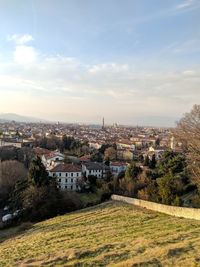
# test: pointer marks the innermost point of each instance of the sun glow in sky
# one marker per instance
(133, 62)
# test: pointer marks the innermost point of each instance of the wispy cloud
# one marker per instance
(174, 10)
(20, 39)
(62, 81)
(108, 67)
(186, 4)
(65, 82)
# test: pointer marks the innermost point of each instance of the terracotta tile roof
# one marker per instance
(63, 167)
(41, 151)
(85, 158)
(118, 164)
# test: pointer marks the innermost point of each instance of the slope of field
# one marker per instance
(110, 234)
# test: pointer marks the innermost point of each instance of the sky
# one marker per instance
(134, 62)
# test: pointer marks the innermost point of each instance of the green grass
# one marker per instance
(90, 198)
(110, 234)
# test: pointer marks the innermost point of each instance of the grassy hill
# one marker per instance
(110, 234)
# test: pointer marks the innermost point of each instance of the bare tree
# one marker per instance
(188, 133)
(11, 171)
(110, 153)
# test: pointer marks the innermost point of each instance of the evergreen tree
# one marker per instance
(152, 163)
(146, 161)
(37, 173)
(132, 172)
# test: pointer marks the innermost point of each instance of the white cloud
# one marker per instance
(188, 5)
(25, 54)
(108, 67)
(67, 84)
(20, 39)
(185, 4)
(189, 72)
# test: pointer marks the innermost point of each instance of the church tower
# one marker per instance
(172, 143)
(103, 124)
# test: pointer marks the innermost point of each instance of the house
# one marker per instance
(38, 151)
(126, 144)
(154, 151)
(85, 158)
(10, 142)
(52, 159)
(94, 145)
(95, 168)
(117, 167)
(67, 176)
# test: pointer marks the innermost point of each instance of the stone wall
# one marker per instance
(184, 212)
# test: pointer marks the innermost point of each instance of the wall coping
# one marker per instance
(184, 212)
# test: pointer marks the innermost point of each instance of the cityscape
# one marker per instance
(99, 133)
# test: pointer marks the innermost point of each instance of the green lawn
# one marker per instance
(110, 234)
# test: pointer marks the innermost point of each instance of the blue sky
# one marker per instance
(133, 62)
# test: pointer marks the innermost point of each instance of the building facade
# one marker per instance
(67, 176)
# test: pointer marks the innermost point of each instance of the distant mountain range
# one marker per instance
(19, 118)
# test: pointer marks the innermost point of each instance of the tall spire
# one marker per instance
(103, 124)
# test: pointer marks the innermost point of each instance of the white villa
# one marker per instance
(67, 176)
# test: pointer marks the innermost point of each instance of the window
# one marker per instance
(72, 174)
(60, 174)
(72, 180)
(66, 187)
(59, 180)
(54, 174)
(66, 180)
(77, 174)
(71, 187)
(66, 174)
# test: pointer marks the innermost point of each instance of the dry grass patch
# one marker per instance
(110, 234)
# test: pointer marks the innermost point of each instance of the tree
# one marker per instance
(16, 196)
(11, 171)
(110, 153)
(37, 173)
(188, 133)
(97, 157)
(92, 180)
(132, 172)
(146, 161)
(152, 191)
(103, 148)
(152, 163)
(171, 162)
(141, 158)
(157, 143)
(169, 189)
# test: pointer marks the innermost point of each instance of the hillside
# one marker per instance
(110, 234)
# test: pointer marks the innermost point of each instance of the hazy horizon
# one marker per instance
(161, 122)
(132, 62)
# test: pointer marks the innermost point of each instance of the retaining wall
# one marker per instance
(184, 212)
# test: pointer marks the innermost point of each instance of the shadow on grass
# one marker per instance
(11, 232)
